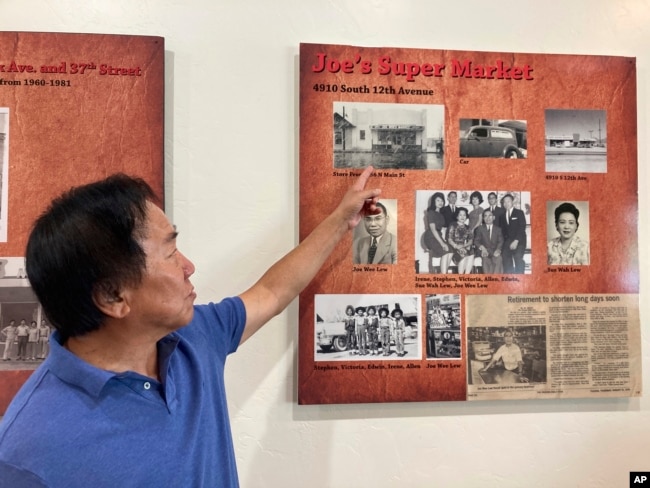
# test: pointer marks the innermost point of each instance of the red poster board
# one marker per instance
(541, 129)
(73, 108)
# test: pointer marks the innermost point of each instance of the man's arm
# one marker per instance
(521, 228)
(291, 274)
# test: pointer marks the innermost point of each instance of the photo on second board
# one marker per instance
(567, 224)
(493, 138)
(388, 135)
(576, 141)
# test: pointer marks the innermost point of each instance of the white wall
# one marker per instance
(232, 63)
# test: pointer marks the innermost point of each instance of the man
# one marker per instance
(380, 246)
(449, 210)
(32, 341)
(133, 387)
(22, 334)
(488, 241)
(494, 207)
(513, 226)
(43, 339)
(509, 354)
(10, 336)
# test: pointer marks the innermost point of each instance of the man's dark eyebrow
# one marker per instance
(172, 235)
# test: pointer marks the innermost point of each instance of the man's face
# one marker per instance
(492, 200)
(452, 198)
(508, 338)
(507, 203)
(488, 217)
(165, 297)
(376, 224)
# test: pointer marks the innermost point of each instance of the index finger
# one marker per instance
(363, 179)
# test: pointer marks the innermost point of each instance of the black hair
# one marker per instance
(432, 200)
(478, 195)
(88, 240)
(566, 207)
(382, 207)
(507, 195)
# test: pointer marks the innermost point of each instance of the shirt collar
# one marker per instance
(75, 371)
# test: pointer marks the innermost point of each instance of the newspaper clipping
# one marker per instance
(538, 346)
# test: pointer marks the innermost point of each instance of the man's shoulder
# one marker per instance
(220, 324)
(30, 427)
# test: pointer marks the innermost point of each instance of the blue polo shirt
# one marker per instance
(74, 425)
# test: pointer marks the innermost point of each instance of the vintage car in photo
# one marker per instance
(332, 335)
(486, 141)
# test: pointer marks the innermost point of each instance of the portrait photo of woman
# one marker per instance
(568, 233)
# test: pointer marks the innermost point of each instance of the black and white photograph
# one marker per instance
(24, 330)
(567, 224)
(506, 355)
(388, 135)
(375, 238)
(493, 138)
(472, 232)
(367, 327)
(576, 141)
(443, 327)
(4, 171)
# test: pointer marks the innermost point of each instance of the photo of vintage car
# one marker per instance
(483, 138)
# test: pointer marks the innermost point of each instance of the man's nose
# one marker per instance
(188, 266)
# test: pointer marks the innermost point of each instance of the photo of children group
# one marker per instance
(367, 327)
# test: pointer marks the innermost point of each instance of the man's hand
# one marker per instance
(359, 202)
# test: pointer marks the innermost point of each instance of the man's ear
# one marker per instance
(111, 301)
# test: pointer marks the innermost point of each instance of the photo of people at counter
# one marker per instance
(506, 355)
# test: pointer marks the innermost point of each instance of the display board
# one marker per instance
(504, 262)
(73, 108)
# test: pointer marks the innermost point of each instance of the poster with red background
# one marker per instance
(73, 108)
(444, 128)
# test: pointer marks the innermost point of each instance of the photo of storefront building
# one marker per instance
(388, 136)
